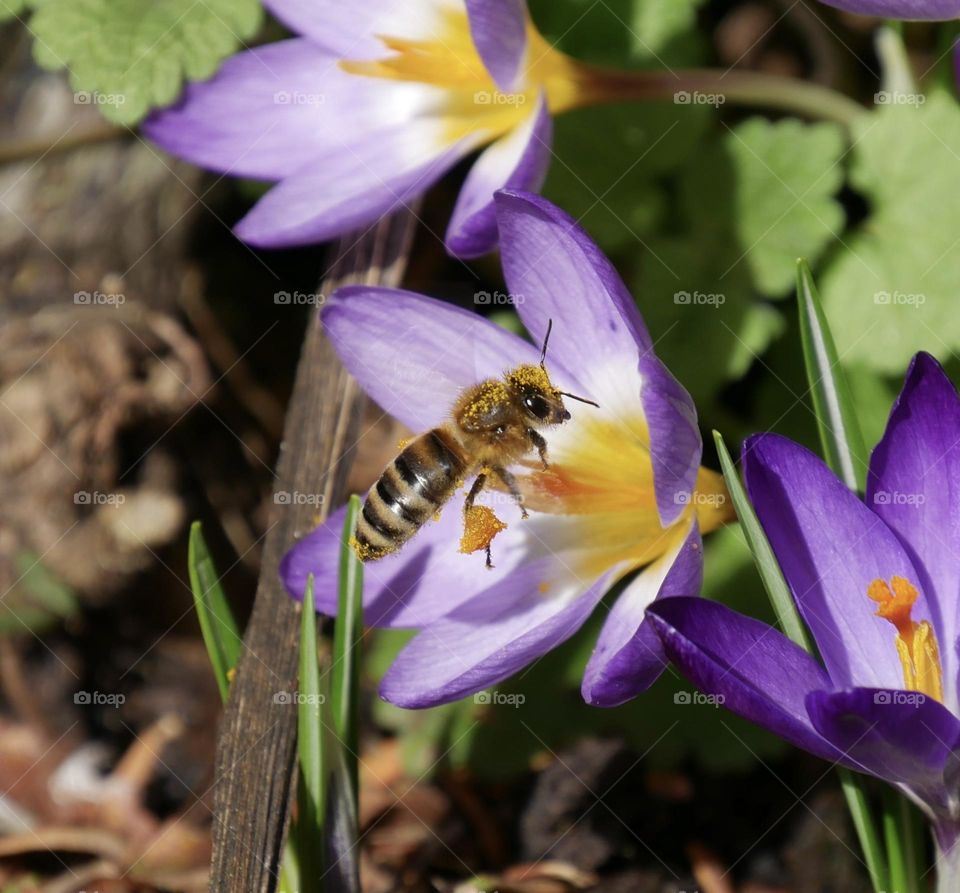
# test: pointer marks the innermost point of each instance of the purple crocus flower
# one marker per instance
(369, 106)
(878, 585)
(623, 490)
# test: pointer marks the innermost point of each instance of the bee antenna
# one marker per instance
(546, 339)
(581, 399)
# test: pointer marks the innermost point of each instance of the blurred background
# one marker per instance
(146, 360)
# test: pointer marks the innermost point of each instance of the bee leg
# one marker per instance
(489, 559)
(478, 485)
(537, 440)
(510, 482)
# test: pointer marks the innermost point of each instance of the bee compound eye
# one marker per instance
(536, 406)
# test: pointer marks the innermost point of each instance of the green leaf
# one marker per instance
(843, 446)
(348, 631)
(748, 201)
(127, 56)
(894, 289)
(654, 33)
(767, 566)
(220, 632)
(854, 790)
(310, 750)
(663, 31)
(771, 187)
(611, 186)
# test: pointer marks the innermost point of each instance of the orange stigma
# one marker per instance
(916, 642)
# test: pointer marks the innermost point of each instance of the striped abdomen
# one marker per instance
(414, 486)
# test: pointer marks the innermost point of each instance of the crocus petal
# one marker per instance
(675, 443)
(492, 636)
(270, 111)
(554, 271)
(352, 30)
(830, 547)
(499, 30)
(902, 737)
(913, 485)
(411, 588)
(629, 655)
(519, 161)
(352, 184)
(757, 670)
(934, 10)
(413, 355)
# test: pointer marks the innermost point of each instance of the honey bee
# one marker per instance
(492, 425)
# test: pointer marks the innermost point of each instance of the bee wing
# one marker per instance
(487, 416)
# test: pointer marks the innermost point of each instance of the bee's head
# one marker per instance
(539, 400)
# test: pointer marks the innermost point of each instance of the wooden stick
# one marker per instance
(257, 746)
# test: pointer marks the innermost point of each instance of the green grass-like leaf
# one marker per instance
(840, 434)
(345, 674)
(310, 749)
(765, 560)
(128, 56)
(342, 829)
(221, 634)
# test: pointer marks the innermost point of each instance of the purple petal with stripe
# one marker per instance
(351, 185)
(499, 30)
(902, 737)
(413, 355)
(414, 587)
(758, 671)
(629, 656)
(518, 160)
(490, 637)
(352, 30)
(831, 547)
(270, 111)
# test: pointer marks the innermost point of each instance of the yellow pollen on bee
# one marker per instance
(363, 551)
(489, 395)
(534, 377)
(480, 526)
(916, 643)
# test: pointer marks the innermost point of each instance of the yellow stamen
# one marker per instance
(916, 642)
(480, 526)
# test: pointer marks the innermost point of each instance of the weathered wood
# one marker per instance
(256, 750)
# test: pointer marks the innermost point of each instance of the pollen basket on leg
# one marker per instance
(916, 643)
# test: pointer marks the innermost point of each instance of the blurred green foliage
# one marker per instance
(131, 55)
(37, 600)
(892, 286)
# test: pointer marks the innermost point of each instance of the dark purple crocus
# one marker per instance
(878, 585)
(371, 104)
